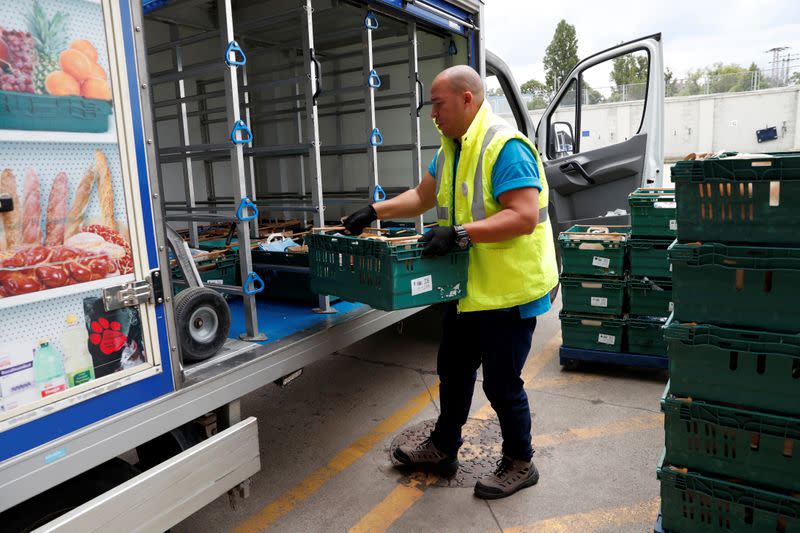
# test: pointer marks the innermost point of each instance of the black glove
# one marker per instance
(438, 241)
(356, 222)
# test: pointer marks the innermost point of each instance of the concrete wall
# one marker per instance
(701, 123)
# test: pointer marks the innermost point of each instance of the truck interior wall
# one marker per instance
(276, 124)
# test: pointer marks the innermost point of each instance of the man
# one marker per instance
(489, 189)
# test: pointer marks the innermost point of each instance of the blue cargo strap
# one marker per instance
(246, 203)
(247, 135)
(234, 48)
(256, 281)
(371, 21)
(375, 138)
(373, 80)
(378, 194)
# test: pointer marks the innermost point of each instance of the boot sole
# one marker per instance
(440, 469)
(483, 494)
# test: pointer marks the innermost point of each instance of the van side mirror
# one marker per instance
(561, 139)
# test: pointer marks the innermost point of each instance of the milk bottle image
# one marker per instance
(78, 364)
(48, 369)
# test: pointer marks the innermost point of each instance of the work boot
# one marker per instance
(510, 476)
(426, 456)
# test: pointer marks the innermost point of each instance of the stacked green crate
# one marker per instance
(593, 261)
(732, 408)
(653, 221)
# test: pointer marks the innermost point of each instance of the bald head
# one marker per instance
(457, 96)
(462, 78)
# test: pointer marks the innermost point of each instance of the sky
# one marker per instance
(695, 33)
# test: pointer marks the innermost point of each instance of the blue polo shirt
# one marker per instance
(515, 168)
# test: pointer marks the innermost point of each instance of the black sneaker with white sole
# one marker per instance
(510, 476)
(426, 456)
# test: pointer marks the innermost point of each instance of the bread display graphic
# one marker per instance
(68, 250)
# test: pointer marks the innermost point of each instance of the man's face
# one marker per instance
(450, 108)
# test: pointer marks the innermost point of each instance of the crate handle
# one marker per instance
(373, 80)
(596, 323)
(590, 246)
(234, 48)
(247, 135)
(258, 284)
(371, 21)
(591, 285)
(246, 203)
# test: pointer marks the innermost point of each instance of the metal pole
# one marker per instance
(416, 98)
(205, 138)
(369, 115)
(314, 159)
(238, 172)
(188, 175)
(250, 167)
(300, 139)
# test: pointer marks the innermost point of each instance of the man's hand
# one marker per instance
(356, 222)
(438, 241)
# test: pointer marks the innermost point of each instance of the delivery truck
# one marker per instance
(156, 156)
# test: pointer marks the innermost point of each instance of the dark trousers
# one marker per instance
(500, 341)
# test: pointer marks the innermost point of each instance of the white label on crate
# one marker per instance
(673, 225)
(597, 301)
(420, 285)
(215, 282)
(602, 338)
(670, 267)
(671, 307)
(665, 205)
(602, 262)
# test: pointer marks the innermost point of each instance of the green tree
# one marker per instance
(590, 95)
(691, 85)
(539, 92)
(533, 87)
(670, 83)
(729, 78)
(795, 79)
(560, 56)
(629, 74)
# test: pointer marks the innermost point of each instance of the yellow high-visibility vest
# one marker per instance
(501, 274)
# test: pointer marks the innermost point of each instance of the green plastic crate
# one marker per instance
(592, 332)
(646, 336)
(600, 295)
(39, 112)
(756, 447)
(742, 286)
(757, 369)
(593, 250)
(221, 270)
(650, 297)
(384, 276)
(648, 257)
(653, 212)
(692, 502)
(281, 284)
(739, 200)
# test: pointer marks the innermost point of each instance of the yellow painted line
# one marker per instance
(617, 427)
(535, 365)
(565, 380)
(643, 513)
(311, 484)
(395, 504)
(404, 496)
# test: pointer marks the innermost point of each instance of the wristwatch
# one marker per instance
(462, 237)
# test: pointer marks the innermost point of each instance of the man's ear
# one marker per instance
(468, 97)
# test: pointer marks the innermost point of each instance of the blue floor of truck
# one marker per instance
(278, 320)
